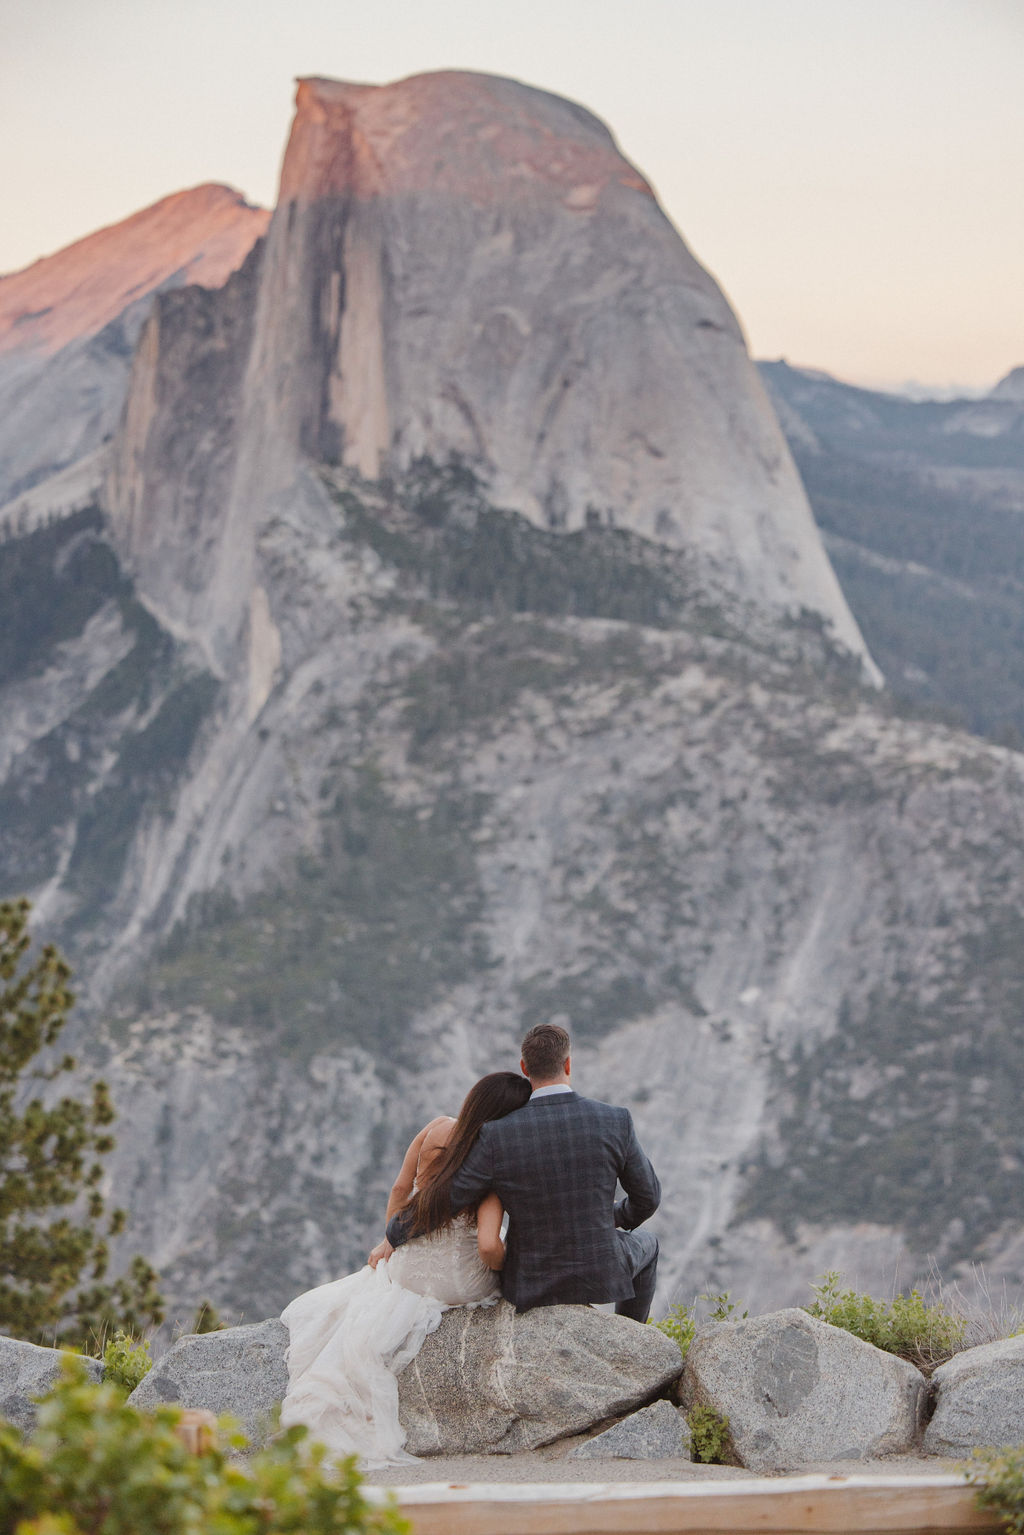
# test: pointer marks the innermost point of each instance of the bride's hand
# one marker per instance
(383, 1250)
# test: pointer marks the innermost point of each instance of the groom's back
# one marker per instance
(554, 1164)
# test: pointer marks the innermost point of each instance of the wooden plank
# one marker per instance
(799, 1505)
(197, 1430)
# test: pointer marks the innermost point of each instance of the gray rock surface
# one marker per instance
(240, 1371)
(27, 1371)
(796, 1390)
(835, 864)
(980, 1399)
(498, 1381)
(654, 1433)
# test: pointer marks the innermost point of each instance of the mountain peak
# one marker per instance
(464, 268)
(200, 235)
(478, 137)
(1011, 387)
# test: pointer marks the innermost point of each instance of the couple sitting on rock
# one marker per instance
(528, 1147)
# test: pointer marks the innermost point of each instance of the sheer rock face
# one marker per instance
(69, 324)
(461, 265)
(174, 459)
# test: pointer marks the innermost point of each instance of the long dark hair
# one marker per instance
(494, 1096)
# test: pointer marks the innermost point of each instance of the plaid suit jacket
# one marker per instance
(554, 1164)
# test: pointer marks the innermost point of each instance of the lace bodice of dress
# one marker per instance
(446, 1265)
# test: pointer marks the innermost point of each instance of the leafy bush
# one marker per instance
(906, 1325)
(722, 1308)
(126, 1360)
(94, 1464)
(680, 1325)
(709, 1431)
(998, 1477)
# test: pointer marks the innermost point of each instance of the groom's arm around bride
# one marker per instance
(554, 1164)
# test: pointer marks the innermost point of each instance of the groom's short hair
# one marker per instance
(545, 1049)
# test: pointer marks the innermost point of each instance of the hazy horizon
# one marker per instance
(846, 172)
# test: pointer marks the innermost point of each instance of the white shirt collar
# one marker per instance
(554, 1087)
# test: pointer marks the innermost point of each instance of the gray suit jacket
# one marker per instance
(554, 1164)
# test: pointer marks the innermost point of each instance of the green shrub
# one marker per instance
(722, 1308)
(998, 1477)
(709, 1431)
(906, 1325)
(126, 1360)
(680, 1325)
(95, 1466)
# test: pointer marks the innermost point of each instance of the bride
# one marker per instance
(351, 1339)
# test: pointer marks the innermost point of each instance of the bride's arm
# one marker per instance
(489, 1217)
(403, 1184)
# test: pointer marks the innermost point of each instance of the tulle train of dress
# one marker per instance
(351, 1339)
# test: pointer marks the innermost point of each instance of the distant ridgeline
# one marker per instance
(922, 507)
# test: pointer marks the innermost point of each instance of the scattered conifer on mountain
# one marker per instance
(54, 1224)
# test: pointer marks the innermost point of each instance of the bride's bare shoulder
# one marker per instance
(438, 1128)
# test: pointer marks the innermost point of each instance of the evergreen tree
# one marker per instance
(54, 1225)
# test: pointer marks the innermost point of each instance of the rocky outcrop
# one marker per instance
(462, 267)
(28, 1372)
(488, 1381)
(496, 1381)
(657, 1432)
(979, 1399)
(796, 1390)
(240, 1371)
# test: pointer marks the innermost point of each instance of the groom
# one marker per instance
(554, 1165)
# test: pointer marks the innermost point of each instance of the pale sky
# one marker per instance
(851, 171)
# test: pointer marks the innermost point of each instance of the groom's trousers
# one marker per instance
(641, 1249)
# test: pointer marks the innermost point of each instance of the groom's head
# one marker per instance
(546, 1055)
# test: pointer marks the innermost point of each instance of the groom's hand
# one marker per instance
(382, 1251)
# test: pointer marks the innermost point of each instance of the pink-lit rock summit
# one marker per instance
(197, 236)
(68, 326)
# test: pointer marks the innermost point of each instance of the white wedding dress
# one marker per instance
(351, 1339)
